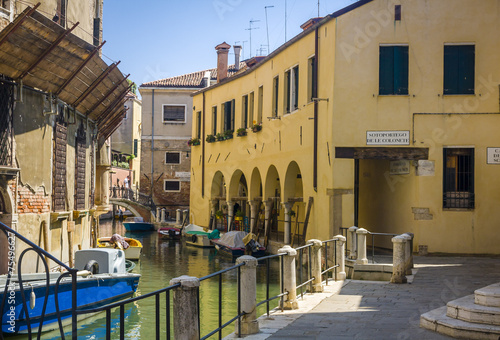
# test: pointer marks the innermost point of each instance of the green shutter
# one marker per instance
(135, 147)
(466, 69)
(401, 70)
(386, 70)
(296, 81)
(232, 115)
(451, 70)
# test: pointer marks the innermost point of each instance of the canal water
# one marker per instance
(162, 260)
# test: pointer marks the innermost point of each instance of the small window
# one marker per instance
(397, 13)
(136, 147)
(311, 78)
(228, 110)
(172, 186)
(214, 120)
(172, 157)
(250, 109)
(198, 124)
(459, 69)
(174, 114)
(458, 178)
(393, 70)
(276, 85)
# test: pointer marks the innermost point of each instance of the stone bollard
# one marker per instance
(317, 284)
(248, 282)
(353, 251)
(398, 260)
(289, 278)
(340, 270)
(162, 215)
(157, 215)
(407, 254)
(361, 235)
(185, 300)
(411, 249)
(178, 217)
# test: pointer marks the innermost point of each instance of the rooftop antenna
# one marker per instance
(250, 29)
(285, 20)
(318, 8)
(267, 28)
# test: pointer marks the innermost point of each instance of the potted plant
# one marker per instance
(228, 134)
(210, 138)
(219, 137)
(219, 214)
(194, 142)
(239, 215)
(257, 127)
(241, 132)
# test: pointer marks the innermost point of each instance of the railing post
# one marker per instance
(185, 300)
(341, 240)
(248, 284)
(411, 265)
(353, 250)
(317, 284)
(178, 217)
(407, 253)
(361, 235)
(398, 260)
(289, 278)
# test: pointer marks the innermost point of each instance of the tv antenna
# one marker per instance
(251, 29)
(267, 28)
(243, 49)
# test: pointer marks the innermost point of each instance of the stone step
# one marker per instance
(465, 309)
(437, 321)
(488, 296)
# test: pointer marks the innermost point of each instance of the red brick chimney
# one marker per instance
(222, 52)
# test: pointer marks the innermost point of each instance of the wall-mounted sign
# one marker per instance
(184, 176)
(493, 155)
(425, 168)
(401, 167)
(387, 137)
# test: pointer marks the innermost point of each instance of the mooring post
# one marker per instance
(407, 253)
(341, 240)
(289, 278)
(353, 251)
(248, 286)
(317, 284)
(361, 235)
(185, 300)
(398, 260)
(411, 250)
(178, 217)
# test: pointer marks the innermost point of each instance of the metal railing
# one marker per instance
(134, 196)
(268, 275)
(373, 241)
(335, 264)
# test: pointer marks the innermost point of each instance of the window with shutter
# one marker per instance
(80, 164)
(59, 163)
(276, 83)
(393, 70)
(172, 157)
(172, 186)
(459, 69)
(174, 114)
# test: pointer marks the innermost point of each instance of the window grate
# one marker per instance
(6, 129)
(458, 178)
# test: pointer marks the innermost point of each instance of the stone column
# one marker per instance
(158, 218)
(178, 217)
(288, 224)
(353, 251)
(162, 215)
(289, 278)
(317, 284)
(230, 214)
(254, 211)
(185, 300)
(407, 254)
(248, 285)
(268, 205)
(398, 260)
(341, 240)
(213, 210)
(412, 236)
(361, 235)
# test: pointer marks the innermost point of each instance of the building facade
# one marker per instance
(59, 103)
(380, 115)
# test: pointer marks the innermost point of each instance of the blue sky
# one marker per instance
(156, 39)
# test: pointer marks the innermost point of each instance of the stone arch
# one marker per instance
(238, 186)
(293, 187)
(218, 185)
(255, 187)
(272, 187)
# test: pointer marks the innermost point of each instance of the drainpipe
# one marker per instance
(152, 141)
(315, 95)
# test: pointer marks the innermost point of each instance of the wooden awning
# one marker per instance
(388, 153)
(44, 55)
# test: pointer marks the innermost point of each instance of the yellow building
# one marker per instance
(381, 115)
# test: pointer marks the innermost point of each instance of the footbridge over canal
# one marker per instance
(139, 204)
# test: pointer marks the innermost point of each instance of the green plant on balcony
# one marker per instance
(228, 134)
(219, 137)
(239, 215)
(219, 214)
(194, 142)
(210, 138)
(257, 127)
(241, 132)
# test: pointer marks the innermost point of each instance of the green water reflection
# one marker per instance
(161, 261)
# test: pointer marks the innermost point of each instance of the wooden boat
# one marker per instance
(169, 233)
(196, 236)
(234, 243)
(133, 252)
(137, 224)
(102, 280)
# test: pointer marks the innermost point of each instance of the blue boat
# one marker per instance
(137, 224)
(102, 280)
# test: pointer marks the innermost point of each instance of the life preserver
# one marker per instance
(194, 238)
(92, 266)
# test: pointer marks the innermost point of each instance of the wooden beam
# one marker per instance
(82, 65)
(113, 89)
(48, 50)
(95, 84)
(113, 105)
(19, 20)
(113, 125)
(387, 153)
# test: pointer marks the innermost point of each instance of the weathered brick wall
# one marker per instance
(32, 201)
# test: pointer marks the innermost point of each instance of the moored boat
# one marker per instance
(169, 233)
(137, 224)
(133, 252)
(234, 243)
(197, 236)
(102, 280)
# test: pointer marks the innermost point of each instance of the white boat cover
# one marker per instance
(192, 227)
(234, 239)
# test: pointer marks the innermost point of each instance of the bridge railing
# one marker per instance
(131, 195)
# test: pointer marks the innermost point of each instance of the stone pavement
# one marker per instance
(379, 310)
